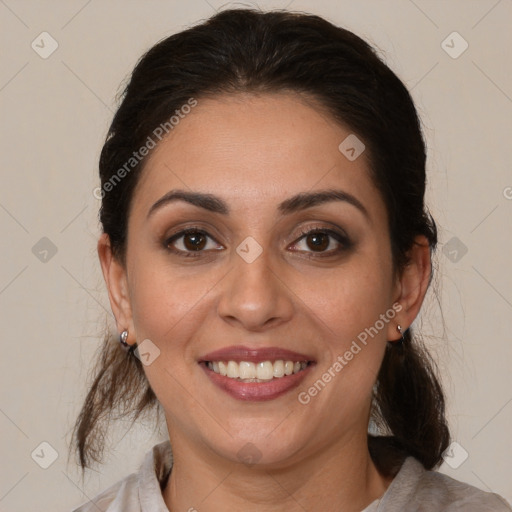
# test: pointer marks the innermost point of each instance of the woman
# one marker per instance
(266, 248)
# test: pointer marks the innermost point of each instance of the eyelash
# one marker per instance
(343, 242)
(181, 234)
(340, 238)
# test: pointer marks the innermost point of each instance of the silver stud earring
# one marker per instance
(122, 339)
(400, 342)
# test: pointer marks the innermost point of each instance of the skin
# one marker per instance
(255, 152)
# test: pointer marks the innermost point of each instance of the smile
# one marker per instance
(263, 371)
(256, 374)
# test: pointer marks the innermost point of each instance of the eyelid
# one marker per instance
(169, 240)
(184, 228)
(339, 236)
(186, 231)
(321, 226)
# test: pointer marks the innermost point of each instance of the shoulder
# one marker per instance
(416, 489)
(138, 492)
(121, 496)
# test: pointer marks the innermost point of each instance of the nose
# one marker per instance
(254, 296)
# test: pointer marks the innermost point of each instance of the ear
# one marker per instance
(115, 277)
(411, 286)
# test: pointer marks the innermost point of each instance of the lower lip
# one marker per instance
(256, 391)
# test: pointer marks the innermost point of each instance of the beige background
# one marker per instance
(54, 116)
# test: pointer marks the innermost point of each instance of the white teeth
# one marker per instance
(233, 370)
(256, 372)
(279, 369)
(265, 370)
(247, 370)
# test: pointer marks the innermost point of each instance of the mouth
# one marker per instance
(256, 374)
(263, 371)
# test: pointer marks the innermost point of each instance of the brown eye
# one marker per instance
(323, 242)
(318, 241)
(194, 241)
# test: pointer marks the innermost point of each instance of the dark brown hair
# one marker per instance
(265, 52)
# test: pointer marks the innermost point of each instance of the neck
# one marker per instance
(341, 477)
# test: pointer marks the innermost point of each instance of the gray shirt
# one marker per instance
(414, 489)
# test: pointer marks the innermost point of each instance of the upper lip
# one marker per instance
(239, 353)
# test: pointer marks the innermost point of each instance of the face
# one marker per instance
(260, 277)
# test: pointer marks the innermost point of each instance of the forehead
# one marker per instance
(256, 150)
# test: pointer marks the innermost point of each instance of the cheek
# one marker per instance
(346, 309)
(167, 308)
(165, 300)
(347, 306)
(350, 298)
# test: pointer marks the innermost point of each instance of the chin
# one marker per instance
(266, 447)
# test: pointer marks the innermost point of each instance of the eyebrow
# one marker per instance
(293, 204)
